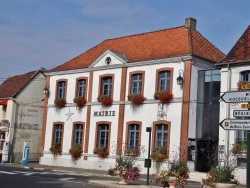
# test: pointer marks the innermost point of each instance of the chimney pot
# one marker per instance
(190, 23)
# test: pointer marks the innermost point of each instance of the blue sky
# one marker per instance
(47, 33)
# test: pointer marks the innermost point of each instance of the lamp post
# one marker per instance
(148, 160)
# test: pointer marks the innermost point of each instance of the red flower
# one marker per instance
(60, 103)
(106, 100)
(165, 96)
(136, 99)
(80, 101)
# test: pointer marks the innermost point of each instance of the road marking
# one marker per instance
(5, 172)
(66, 179)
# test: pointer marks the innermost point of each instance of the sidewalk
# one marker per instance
(106, 180)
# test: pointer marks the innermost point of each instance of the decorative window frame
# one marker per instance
(57, 85)
(73, 132)
(130, 81)
(100, 84)
(53, 132)
(86, 86)
(127, 132)
(158, 71)
(97, 133)
(168, 123)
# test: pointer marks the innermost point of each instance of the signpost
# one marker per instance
(236, 97)
(239, 124)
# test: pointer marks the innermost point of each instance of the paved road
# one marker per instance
(11, 177)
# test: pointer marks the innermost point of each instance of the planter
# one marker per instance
(170, 180)
(225, 185)
(222, 185)
(123, 182)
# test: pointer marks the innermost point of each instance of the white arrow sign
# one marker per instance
(235, 124)
(236, 97)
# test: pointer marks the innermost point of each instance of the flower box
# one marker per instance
(132, 151)
(243, 85)
(56, 149)
(60, 103)
(136, 99)
(76, 151)
(165, 96)
(80, 101)
(159, 154)
(106, 100)
(239, 148)
(102, 152)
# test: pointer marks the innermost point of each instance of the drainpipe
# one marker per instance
(14, 130)
(229, 77)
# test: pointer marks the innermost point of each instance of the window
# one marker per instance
(61, 90)
(81, 88)
(106, 86)
(57, 134)
(164, 80)
(161, 135)
(245, 76)
(78, 132)
(103, 135)
(136, 84)
(133, 136)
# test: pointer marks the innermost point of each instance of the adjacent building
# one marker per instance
(121, 68)
(235, 72)
(21, 115)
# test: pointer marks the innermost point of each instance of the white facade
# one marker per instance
(146, 114)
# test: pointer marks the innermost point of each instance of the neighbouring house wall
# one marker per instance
(228, 138)
(28, 119)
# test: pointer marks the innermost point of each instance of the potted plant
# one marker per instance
(165, 96)
(220, 176)
(126, 169)
(106, 100)
(136, 99)
(56, 149)
(159, 154)
(76, 151)
(102, 152)
(239, 148)
(177, 174)
(242, 84)
(80, 101)
(60, 102)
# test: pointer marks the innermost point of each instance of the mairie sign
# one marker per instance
(235, 124)
(236, 97)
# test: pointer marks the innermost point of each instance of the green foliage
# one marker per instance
(76, 151)
(56, 149)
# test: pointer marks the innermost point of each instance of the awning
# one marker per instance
(4, 102)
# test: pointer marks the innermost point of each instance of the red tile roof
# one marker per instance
(240, 51)
(13, 85)
(148, 46)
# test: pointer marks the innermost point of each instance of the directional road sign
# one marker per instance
(235, 124)
(236, 97)
(241, 113)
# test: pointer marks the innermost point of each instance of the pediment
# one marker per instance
(109, 58)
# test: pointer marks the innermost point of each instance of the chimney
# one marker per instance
(190, 23)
